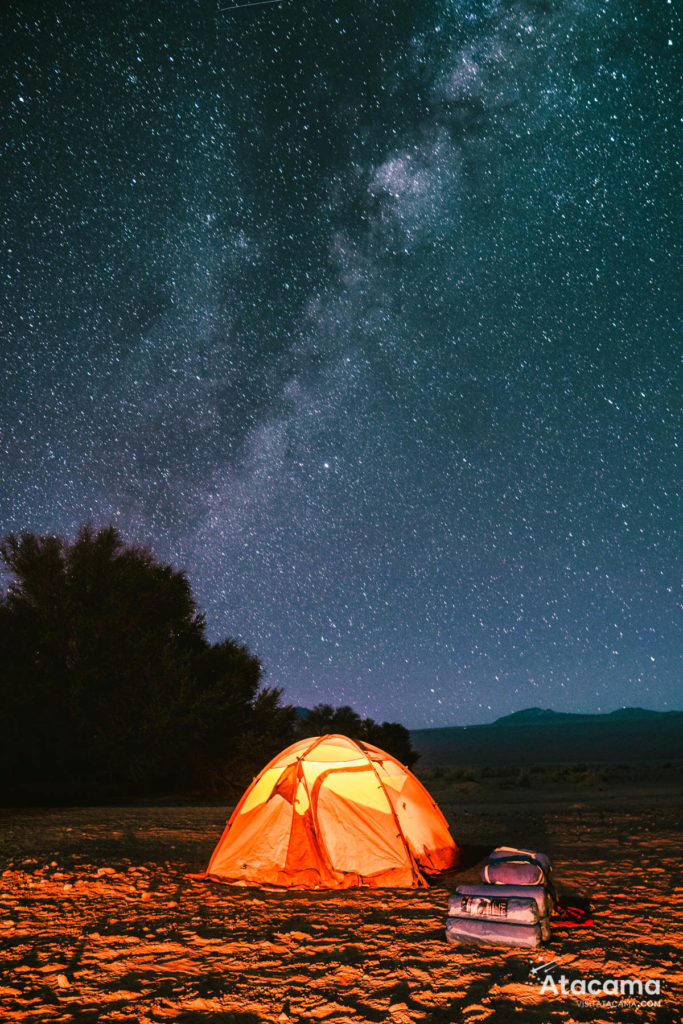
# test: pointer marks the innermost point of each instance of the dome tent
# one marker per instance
(331, 812)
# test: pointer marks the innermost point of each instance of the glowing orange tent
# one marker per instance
(331, 812)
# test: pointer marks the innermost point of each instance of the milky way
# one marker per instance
(365, 316)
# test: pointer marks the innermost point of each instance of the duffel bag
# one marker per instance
(510, 866)
(492, 932)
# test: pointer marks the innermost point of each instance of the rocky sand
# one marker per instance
(100, 920)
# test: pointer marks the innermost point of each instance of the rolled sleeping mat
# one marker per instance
(509, 866)
(496, 892)
(492, 932)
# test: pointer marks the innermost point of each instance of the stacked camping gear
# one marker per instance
(510, 907)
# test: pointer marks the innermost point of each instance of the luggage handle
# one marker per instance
(523, 858)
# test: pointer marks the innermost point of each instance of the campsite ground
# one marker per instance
(99, 921)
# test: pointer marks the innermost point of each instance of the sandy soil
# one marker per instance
(99, 921)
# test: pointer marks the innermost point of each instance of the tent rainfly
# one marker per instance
(330, 812)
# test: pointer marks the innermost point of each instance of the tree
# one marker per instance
(110, 686)
(389, 736)
(323, 718)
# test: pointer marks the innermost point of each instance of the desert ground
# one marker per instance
(101, 921)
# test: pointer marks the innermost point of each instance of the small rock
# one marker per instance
(63, 981)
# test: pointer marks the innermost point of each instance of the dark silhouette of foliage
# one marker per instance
(109, 686)
(389, 736)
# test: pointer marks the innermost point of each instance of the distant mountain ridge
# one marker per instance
(544, 736)
(530, 715)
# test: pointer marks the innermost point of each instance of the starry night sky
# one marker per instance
(364, 314)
